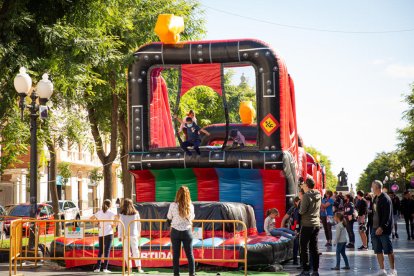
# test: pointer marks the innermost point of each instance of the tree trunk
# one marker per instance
(110, 157)
(107, 176)
(52, 184)
(126, 176)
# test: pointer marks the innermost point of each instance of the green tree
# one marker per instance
(331, 179)
(207, 104)
(406, 136)
(98, 37)
(383, 164)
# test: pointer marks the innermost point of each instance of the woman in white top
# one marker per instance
(106, 234)
(128, 217)
(181, 213)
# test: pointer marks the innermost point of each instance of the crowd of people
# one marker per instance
(376, 213)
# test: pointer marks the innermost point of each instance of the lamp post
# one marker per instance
(403, 171)
(23, 85)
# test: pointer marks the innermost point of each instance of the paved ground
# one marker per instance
(361, 262)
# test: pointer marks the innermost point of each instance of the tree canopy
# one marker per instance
(331, 179)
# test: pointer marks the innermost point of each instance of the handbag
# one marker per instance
(330, 220)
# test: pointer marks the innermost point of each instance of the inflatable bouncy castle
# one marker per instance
(263, 176)
(225, 182)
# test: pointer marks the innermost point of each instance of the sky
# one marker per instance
(350, 72)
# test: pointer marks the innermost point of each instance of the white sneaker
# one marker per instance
(382, 272)
(106, 271)
(140, 271)
(393, 272)
(97, 270)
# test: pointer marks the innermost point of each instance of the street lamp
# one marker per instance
(23, 85)
(403, 171)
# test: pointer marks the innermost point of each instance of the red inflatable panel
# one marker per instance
(161, 127)
(201, 74)
(263, 239)
(144, 186)
(274, 190)
(207, 183)
(160, 241)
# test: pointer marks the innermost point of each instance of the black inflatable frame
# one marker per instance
(268, 155)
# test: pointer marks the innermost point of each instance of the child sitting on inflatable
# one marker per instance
(238, 138)
(271, 230)
(193, 136)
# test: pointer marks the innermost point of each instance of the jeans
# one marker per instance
(105, 244)
(369, 227)
(409, 221)
(350, 230)
(186, 238)
(327, 227)
(295, 249)
(284, 232)
(340, 250)
(309, 243)
(195, 144)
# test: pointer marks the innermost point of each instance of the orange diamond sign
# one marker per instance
(269, 124)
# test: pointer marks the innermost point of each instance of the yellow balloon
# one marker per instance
(169, 27)
(247, 112)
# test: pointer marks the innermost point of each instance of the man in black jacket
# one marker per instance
(382, 227)
(407, 210)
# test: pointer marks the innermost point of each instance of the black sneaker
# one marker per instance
(346, 268)
(350, 245)
(396, 235)
(335, 268)
(393, 236)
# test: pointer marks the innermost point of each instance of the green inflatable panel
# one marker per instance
(187, 178)
(164, 185)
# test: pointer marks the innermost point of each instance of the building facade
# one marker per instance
(79, 187)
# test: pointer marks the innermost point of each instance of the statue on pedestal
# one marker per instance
(342, 181)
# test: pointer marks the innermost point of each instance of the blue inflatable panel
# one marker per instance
(229, 183)
(252, 193)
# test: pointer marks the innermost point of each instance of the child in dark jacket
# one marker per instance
(193, 136)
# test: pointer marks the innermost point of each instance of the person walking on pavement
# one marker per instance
(349, 209)
(362, 208)
(310, 224)
(396, 213)
(407, 210)
(368, 199)
(382, 227)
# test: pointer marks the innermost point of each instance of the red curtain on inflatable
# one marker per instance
(161, 127)
(201, 74)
